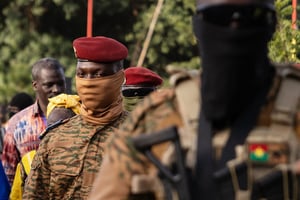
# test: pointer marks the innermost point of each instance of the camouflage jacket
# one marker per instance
(123, 164)
(67, 160)
(159, 110)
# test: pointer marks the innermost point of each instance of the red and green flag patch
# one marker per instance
(258, 152)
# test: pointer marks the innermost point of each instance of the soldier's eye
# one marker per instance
(80, 74)
(97, 75)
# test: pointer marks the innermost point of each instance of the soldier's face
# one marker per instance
(240, 29)
(91, 70)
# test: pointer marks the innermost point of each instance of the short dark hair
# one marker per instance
(119, 65)
(19, 102)
(45, 63)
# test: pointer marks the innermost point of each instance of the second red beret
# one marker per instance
(99, 49)
(142, 76)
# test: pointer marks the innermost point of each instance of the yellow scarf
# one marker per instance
(64, 101)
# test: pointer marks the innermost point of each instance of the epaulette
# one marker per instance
(52, 126)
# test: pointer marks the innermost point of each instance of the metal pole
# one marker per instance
(89, 27)
(150, 32)
(294, 14)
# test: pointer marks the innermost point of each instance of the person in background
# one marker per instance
(18, 102)
(2, 130)
(3, 120)
(5, 187)
(3, 114)
(24, 128)
(60, 108)
(71, 154)
(139, 82)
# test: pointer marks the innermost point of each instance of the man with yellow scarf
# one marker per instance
(70, 155)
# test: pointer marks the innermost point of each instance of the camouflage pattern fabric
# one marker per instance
(68, 159)
(123, 162)
(157, 111)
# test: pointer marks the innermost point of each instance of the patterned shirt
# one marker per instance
(22, 136)
(68, 159)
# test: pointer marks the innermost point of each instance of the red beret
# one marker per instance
(142, 76)
(99, 49)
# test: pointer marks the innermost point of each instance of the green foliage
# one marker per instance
(32, 29)
(285, 46)
(21, 44)
(172, 41)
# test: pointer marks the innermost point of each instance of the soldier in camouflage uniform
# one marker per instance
(71, 154)
(238, 88)
(139, 82)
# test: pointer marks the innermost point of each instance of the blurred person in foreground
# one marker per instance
(70, 155)
(240, 95)
(60, 108)
(139, 82)
(23, 129)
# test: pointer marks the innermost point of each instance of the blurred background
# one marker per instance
(32, 29)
